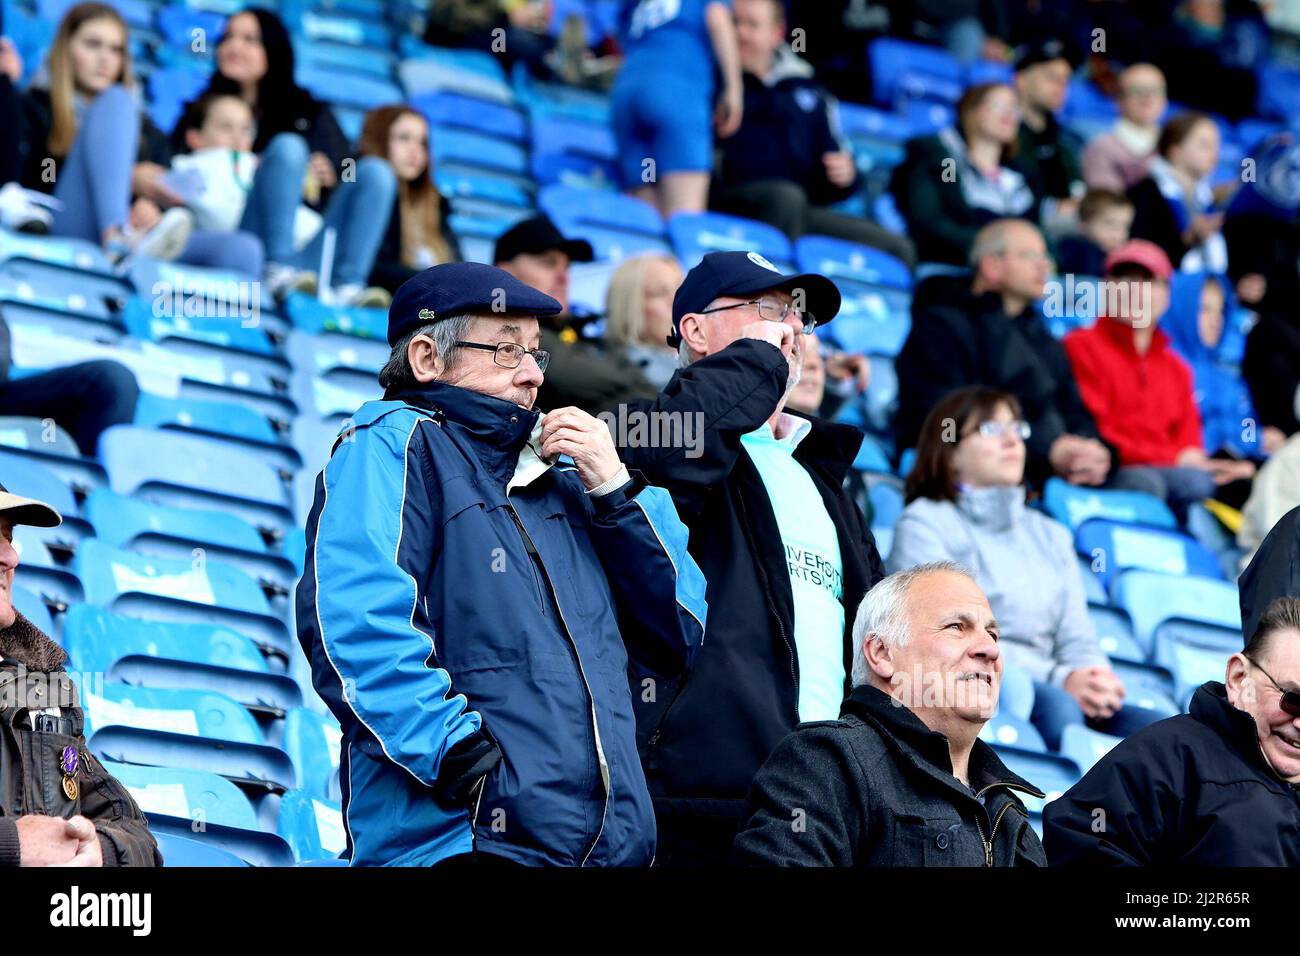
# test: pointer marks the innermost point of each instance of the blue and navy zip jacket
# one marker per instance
(470, 614)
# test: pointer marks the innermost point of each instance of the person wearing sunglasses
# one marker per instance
(471, 602)
(1217, 786)
(966, 503)
(787, 554)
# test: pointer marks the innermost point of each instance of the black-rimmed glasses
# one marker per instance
(773, 310)
(510, 354)
(1290, 698)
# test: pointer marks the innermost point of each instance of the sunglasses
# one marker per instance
(1290, 698)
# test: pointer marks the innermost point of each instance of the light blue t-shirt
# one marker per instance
(812, 554)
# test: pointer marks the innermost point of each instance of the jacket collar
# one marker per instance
(927, 748)
(493, 421)
(24, 642)
(1121, 334)
(1210, 707)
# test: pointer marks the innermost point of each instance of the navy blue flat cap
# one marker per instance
(460, 288)
(748, 273)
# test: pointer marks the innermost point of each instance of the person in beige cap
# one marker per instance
(59, 806)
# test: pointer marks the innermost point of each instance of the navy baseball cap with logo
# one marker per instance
(460, 288)
(739, 274)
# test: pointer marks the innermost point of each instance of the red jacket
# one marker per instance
(1143, 404)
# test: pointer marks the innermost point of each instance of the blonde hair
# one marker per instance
(625, 300)
(63, 80)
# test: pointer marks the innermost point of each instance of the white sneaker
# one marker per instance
(165, 241)
(355, 296)
(279, 280)
(26, 210)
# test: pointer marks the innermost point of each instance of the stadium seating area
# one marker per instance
(173, 573)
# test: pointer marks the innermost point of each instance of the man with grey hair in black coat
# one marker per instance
(902, 778)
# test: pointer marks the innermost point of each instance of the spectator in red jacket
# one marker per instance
(1138, 389)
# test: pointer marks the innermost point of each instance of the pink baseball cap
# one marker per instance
(1142, 253)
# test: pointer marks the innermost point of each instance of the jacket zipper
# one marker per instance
(532, 554)
(988, 843)
(582, 671)
(767, 594)
(663, 719)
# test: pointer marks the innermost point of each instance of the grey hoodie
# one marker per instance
(1026, 565)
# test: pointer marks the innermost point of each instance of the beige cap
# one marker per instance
(21, 510)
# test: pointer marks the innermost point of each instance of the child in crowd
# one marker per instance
(1105, 218)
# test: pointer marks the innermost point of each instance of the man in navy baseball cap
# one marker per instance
(786, 552)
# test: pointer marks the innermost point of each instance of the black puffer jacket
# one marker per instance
(704, 737)
(32, 677)
(875, 788)
(1193, 790)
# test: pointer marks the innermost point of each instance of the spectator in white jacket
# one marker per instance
(966, 503)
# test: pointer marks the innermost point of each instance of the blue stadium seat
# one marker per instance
(96, 639)
(374, 61)
(449, 110)
(165, 589)
(554, 136)
(886, 503)
(188, 470)
(1115, 631)
(313, 740)
(1050, 773)
(882, 396)
(474, 73)
(573, 169)
(451, 145)
(81, 302)
(1119, 547)
(182, 851)
(219, 419)
(1194, 651)
(1072, 505)
(871, 458)
(334, 84)
(44, 566)
(1093, 588)
(1016, 697)
(1147, 686)
(1085, 746)
(484, 187)
(253, 847)
(78, 254)
(31, 479)
(171, 87)
(195, 795)
(902, 70)
(1008, 730)
(350, 30)
(867, 323)
(30, 606)
(41, 434)
(989, 71)
(695, 233)
(1151, 599)
(194, 713)
(312, 827)
(841, 259)
(214, 331)
(583, 207)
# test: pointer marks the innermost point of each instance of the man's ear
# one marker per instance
(425, 364)
(880, 657)
(693, 334)
(1240, 688)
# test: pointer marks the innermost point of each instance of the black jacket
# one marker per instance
(1191, 790)
(1271, 367)
(959, 339)
(389, 270)
(875, 788)
(1154, 220)
(704, 737)
(789, 123)
(32, 675)
(1273, 572)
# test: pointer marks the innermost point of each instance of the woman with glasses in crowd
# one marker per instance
(966, 503)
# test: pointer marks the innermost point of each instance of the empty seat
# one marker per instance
(903, 70)
(1115, 548)
(336, 83)
(1147, 686)
(173, 468)
(42, 433)
(694, 234)
(30, 606)
(225, 844)
(1115, 631)
(182, 851)
(1151, 599)
(451, 145)
(78, 254)
(313, 316)
(188, 794)
(1194, 651)
(1009, 730)
(842, 259)
(581, 207)
(96, 639)
(867, 323)
(25, 476)
(239, 334)
(556, 136)
(75, 300)
(40, 569)
(313, 741)
(312, 827)
(886, 503)
(456, 110)
(1085, 746)
(1072, 505)
(1016, 696)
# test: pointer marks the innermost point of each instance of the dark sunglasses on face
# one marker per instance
(1290, 698)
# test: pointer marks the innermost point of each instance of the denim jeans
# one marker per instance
(94, 182)
(1055, 709)
(358, 212)
(1178, 487)
(275, 195)
(84, 399)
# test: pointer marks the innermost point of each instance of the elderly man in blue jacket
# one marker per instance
(470, 602)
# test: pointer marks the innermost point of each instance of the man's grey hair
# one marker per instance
(994, 239)
(396, 375)
(883, 612)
